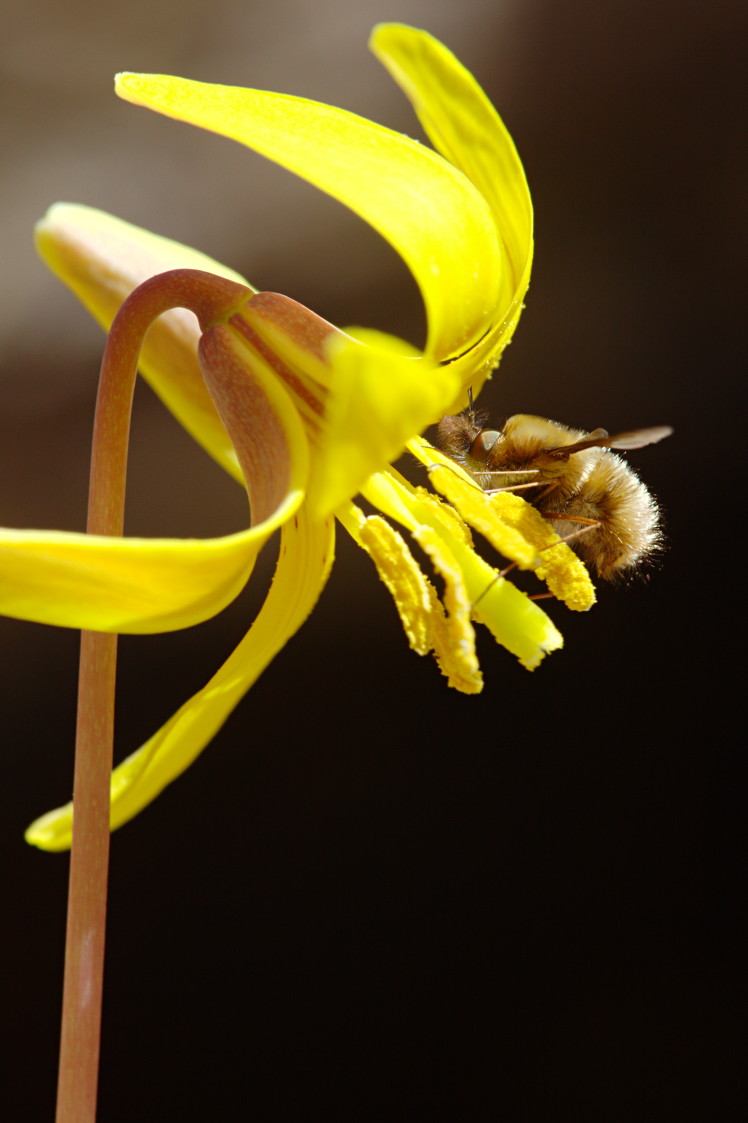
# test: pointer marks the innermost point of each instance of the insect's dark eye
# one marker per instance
(483, 444)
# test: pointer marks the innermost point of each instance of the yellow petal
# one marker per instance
(361, 396)
(433, 216)
(112, 584)
(135, 585)
(102, 259)
(463, 125)
(304, 563)
(381, 393)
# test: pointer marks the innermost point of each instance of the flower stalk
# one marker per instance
(212, 299)
(87, 889)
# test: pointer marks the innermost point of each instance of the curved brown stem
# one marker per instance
(212, 299)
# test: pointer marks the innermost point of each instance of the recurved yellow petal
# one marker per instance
(102, 260)
(134, 585)
(306, 554)
(120, 584)
(463, 125)
(429, 211)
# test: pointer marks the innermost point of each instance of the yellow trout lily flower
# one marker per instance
(306, 416)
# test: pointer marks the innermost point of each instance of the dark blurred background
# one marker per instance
(373, 896)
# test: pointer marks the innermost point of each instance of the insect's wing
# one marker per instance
(638, 438)
(599, 438)
(596, 437)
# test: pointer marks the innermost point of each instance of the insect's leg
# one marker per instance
(589, 524)
(509, 472)
(510, 487)
(501, 573)
(572, 519)
(438, 464)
